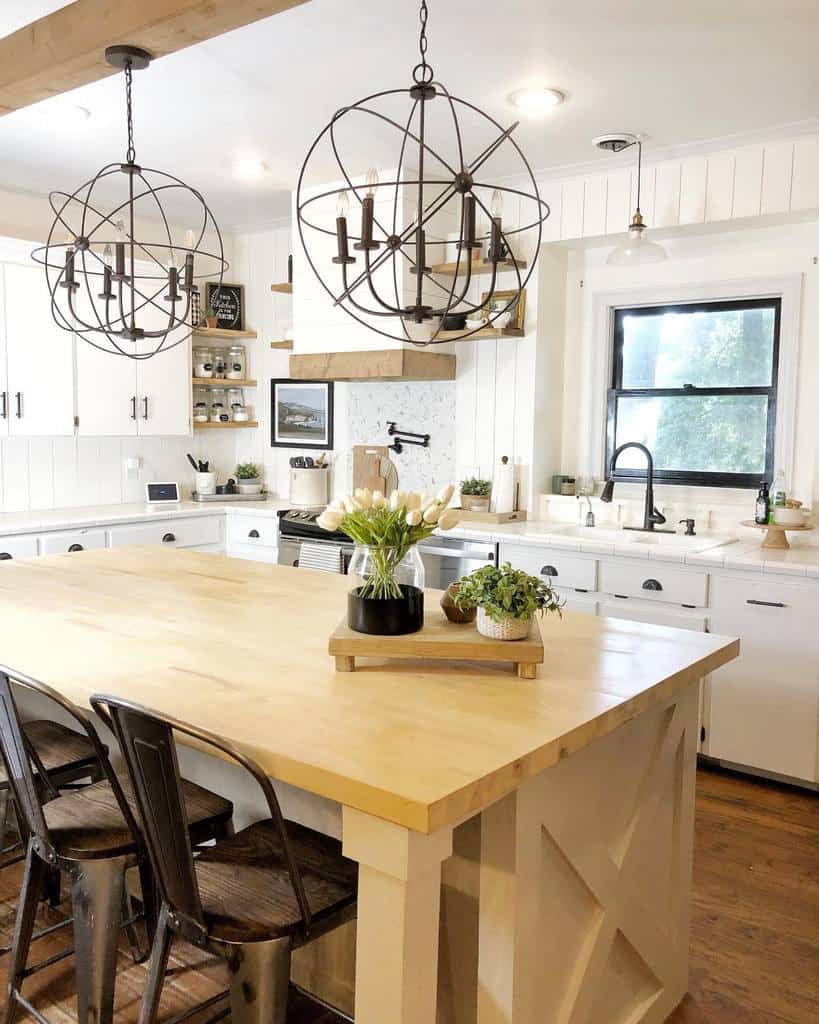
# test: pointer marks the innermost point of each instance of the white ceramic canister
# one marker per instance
(206, 483)
(308, 487)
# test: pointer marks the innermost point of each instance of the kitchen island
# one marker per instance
(524, 845)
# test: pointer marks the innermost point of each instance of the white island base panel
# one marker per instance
(566, 901)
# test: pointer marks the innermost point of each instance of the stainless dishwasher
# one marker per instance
(447, 559)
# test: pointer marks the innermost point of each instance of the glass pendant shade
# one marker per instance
(636, 249)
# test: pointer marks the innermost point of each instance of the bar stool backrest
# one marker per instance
(149, 750)
(16, 757)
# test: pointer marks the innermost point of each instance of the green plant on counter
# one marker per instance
(506, 593)
(248, 471)
(478, 488)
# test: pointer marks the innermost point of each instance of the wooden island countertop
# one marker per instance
(240, 648)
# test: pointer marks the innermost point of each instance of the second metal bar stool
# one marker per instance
(91, 835)
(250, 899)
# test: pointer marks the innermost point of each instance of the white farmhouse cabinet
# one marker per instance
(106, 393)
(37, 360)
(765, 705)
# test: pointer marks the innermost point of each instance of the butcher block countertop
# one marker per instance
(240, 648)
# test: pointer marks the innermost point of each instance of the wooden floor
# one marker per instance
(755, 942)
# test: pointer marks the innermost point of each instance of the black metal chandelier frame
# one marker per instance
(461, 181)
(127, 289)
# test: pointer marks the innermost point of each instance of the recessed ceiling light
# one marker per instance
(536, 102)
(249, 169)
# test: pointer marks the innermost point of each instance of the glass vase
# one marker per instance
(388, 591)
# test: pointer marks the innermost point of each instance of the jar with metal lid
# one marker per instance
(236, 362)
(202, 362)
(236, 405)
(220, 362)
(218, 406)
(201, 406)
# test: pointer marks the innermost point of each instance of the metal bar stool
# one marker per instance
(250, 899)
(92, 835)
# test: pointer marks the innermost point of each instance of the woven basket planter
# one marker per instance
(508, 629)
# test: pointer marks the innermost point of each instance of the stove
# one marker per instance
(299, 524)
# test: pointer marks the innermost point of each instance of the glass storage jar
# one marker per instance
(201, 407)
(236, 405)
(236, 362)
(202, 362)
(220, 363)
(218, 406)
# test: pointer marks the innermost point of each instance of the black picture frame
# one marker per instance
(301, 434)
(230, 305)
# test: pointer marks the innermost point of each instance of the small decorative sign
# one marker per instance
(228, 304)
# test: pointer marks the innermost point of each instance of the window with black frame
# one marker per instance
(696, 384)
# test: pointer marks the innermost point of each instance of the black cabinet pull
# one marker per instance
(4, 556)
(133, 407)
(76, 547)
(652, 585)
(145, 407)
(169, 538)
(622, 597)
(5, 397)
(581, 590)
(254, 534)
(767, 604)
(18, 397)
(548, 570)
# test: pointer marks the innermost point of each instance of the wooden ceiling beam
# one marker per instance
(66, 49)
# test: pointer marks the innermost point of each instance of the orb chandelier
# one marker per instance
(389, 281)
(118, 275)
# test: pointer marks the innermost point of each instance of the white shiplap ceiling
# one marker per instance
(680, 71)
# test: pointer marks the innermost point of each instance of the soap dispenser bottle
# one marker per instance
(763, 505)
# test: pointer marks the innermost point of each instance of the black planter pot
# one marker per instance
(390, 616)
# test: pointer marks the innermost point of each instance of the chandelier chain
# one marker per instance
(130, 155)
(422, 73)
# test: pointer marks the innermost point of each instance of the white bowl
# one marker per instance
(249, 488)
(790, 516)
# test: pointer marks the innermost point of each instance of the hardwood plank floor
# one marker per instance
(755, 928)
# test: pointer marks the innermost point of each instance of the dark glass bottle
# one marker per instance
(763, 505)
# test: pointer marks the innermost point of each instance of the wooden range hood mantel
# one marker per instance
(393, 364)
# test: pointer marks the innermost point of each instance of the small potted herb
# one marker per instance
(210, 318)
(475, 494)
(249, 478)
(507, 600)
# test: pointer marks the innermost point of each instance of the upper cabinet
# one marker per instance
(37, 360)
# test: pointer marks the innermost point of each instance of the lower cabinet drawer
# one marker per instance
(654, 581)
(643, 611)
(75, 540)
(559, 568)
(17, 547)
(179, 533)
(256, 531)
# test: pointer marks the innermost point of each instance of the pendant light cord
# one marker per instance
(130, 156)
(639, 170)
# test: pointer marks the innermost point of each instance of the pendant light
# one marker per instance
(380, 262)
(117, 276)
(636, 249)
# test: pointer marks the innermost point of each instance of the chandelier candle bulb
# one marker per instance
(367, 217)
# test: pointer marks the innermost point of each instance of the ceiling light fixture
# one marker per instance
(440, 188)
(109, 285)
(536, 103)
(636, 248)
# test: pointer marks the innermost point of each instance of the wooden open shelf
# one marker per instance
(484, 332)
(285, 288)
(286, 345)
(382, 364)
(226, 426)
(218, 332)
(222, 382)
(478, 267)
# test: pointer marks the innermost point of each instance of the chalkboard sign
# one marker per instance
(228, 304)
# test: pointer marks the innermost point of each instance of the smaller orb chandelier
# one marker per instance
(441, 183)
(117, 276)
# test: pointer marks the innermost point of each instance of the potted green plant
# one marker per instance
(388, 598)
(248, 478)
(475, 494)
(507, 599)
(210, 318)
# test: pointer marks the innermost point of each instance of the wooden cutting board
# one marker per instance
(367, 467)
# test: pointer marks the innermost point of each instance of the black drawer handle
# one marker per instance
(652, 585)
(76, 547)
(767, 604)
(169, 538)
(4, 556)
(549, 570)
(254, 534)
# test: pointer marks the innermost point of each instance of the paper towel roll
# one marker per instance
(503, 487)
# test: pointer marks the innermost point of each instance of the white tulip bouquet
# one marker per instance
(388, 527)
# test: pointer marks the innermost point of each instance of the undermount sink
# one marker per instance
(617, 535)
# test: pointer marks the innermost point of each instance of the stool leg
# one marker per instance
(4, 817)
(23, 927)
(96, 896)
(259, 982)
(156, 972)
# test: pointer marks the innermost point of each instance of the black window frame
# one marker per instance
(617, 391)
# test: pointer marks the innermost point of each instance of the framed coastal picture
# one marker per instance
(301, 413)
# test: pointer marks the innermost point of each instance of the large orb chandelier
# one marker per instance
(117, 275)
(394, 290)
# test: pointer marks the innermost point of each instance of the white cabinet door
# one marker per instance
(106, 393)
(5, 408)
(765, 704)
(40, 358)
(164, 382)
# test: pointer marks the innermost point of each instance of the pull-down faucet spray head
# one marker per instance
(608, 491)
